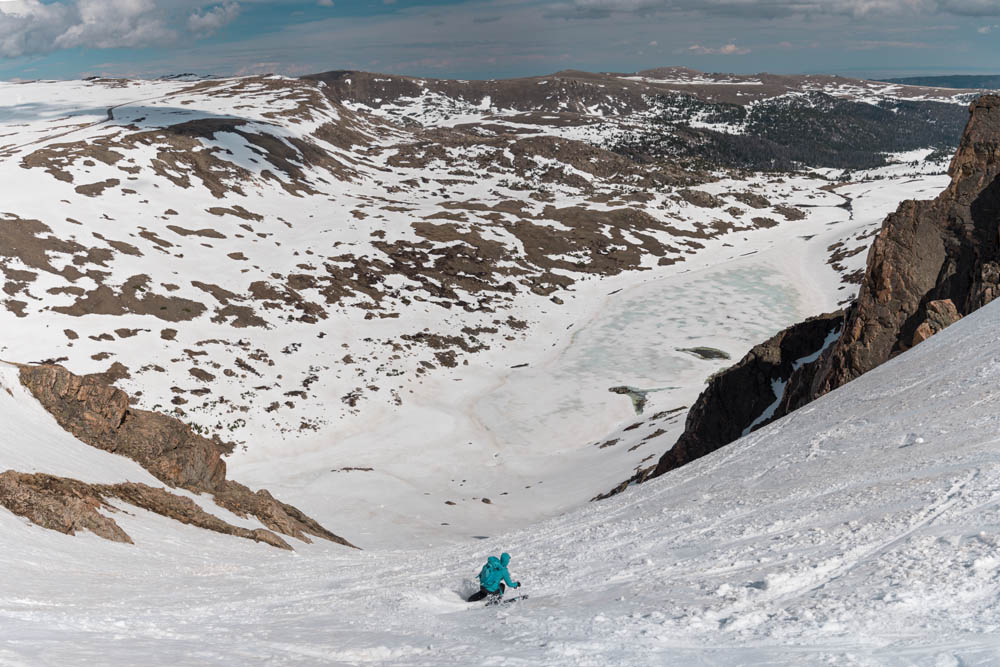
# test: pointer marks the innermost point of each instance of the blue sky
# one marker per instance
(496, 38)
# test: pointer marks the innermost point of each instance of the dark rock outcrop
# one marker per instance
(56, 503)
(100, 416)
(940, 314)
(69, 505)
(184, 510)
(932, 263)
(739, 398)
(271, 512)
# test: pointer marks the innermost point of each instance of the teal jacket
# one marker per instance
(494, 572)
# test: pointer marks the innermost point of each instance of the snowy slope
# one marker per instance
(861, 530)
(412, 331)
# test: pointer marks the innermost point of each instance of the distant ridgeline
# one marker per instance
(962, 81)
(793, 132)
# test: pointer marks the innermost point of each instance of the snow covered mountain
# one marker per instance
(438, 317)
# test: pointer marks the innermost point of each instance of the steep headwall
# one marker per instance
(932, 263)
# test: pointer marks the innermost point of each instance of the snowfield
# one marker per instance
(860, 530)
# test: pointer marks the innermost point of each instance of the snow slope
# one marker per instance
(860, 530)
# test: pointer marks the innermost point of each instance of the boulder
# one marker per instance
(940, 314)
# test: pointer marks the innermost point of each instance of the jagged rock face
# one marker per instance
(928, 254)
(273, 513)
(737, 398)
(56, 503)
(184, 510)
(940, 314)
(932, 263)
(100, 416)
(69, 505)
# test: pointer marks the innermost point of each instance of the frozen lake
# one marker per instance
(634, 340)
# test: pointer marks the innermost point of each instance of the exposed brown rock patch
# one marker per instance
(69, 506)
(135, 297)
(56, 503)
(204, 233)
(101, 417)
(96, 189)
(940, 314)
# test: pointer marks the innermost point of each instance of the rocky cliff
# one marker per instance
(69, 506)
(932, 263)
(746, 396)
(100, 415)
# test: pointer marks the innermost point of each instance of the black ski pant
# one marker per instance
(491, 597)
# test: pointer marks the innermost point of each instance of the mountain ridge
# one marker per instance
(961, 81)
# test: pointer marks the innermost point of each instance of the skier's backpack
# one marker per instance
(487, 575)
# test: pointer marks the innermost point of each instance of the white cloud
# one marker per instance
(30, 26)
(987, 29)
(210, 21)
(725, 50)
(324, 3)
(115, 23)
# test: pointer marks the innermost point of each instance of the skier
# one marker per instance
(492, 578)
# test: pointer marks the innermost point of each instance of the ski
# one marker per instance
(506, 601)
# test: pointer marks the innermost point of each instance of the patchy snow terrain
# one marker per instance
(401, 316)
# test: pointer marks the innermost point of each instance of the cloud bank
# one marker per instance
(29, 27)
(725, 50)
(497, 38)
(210, 21)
